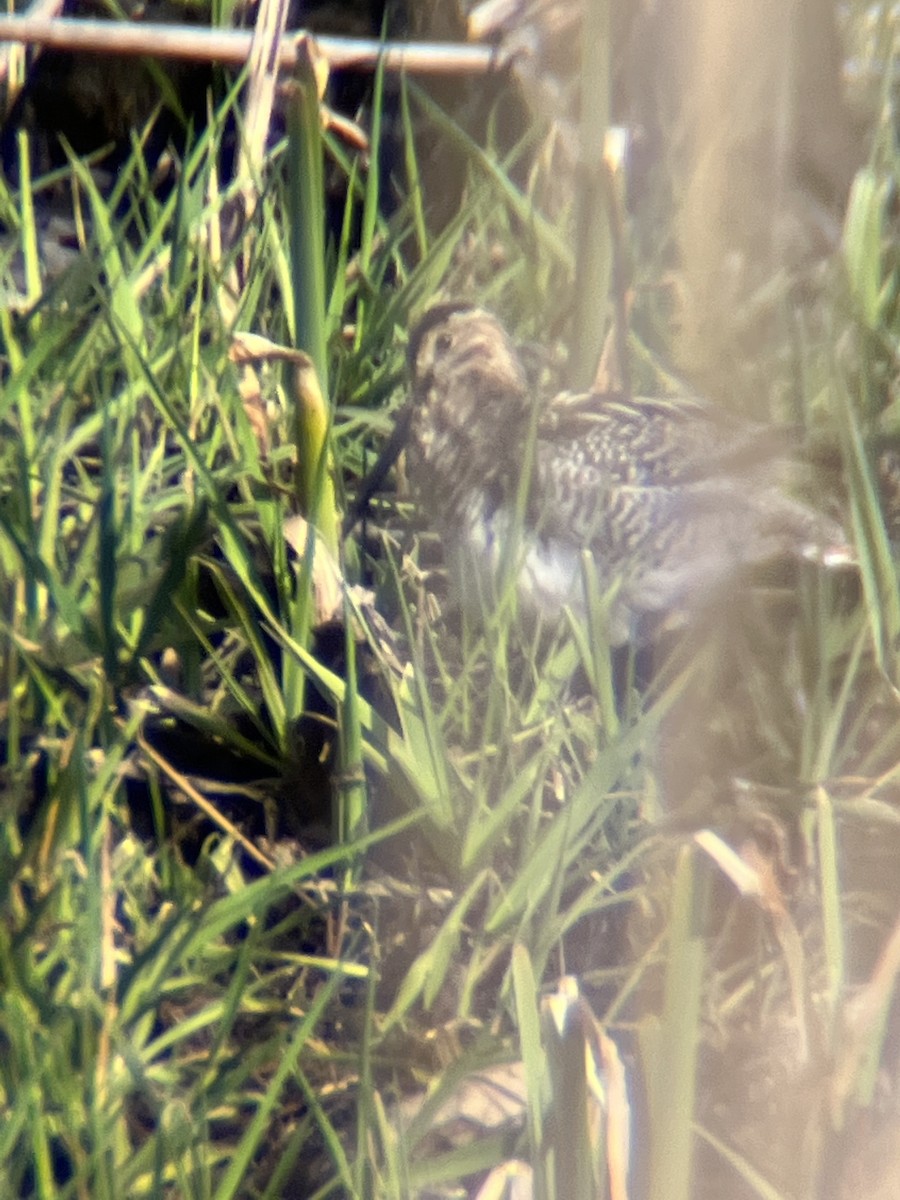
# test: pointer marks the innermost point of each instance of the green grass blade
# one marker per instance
(673, 1084)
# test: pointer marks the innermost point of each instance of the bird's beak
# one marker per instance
(390, 452)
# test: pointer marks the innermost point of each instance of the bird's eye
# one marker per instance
(443, 342)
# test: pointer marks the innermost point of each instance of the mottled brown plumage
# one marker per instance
(670, 500)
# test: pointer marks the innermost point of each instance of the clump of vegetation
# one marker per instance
(277, 862)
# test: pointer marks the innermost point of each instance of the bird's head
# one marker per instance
(469, 388)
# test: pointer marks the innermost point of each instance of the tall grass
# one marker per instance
(200, 994)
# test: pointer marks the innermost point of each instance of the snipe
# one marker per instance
(672, 502)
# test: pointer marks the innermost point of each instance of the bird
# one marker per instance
(654, 504)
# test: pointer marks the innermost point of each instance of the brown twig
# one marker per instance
(232, 46)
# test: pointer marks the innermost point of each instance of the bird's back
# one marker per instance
(671, 500)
